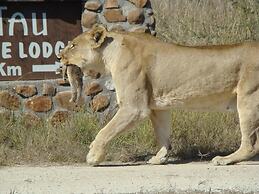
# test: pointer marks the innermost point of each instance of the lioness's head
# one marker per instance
(84, 51)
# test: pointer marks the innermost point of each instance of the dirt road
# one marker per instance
(174, 178)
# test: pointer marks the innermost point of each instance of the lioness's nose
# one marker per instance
(58, 58)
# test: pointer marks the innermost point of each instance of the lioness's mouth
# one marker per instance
(61, 59)
(64, 61)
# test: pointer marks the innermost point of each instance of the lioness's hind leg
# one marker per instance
(248, 110)
(161, 121)
(249, 143)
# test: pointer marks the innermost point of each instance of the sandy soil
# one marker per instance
(174, 178)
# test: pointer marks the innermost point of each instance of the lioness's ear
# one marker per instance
(98, 34)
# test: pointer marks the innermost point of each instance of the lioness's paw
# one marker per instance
(157, 161)
(221, 161)
(95, 157)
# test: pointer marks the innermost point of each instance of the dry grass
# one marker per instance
(203, 22)
(20, 143)
(192, 134)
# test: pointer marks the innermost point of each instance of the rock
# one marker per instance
(31, 119)
(85, 29)
(109, 85)
(151, 21)
(9, 101)
(62, 82)
(136, 16)
(111, 4)
(139, 3)
(139, 29)
(149, 12)
(93, 74)
(116, 28)
(62, 99)
(39, 104)
(48, 90)
(93, 5)
(89, 18)
(93, 89)
(114, 15)
(26, 91)
(5, 114)
(100, 103)
(153, 33)
(59, 116)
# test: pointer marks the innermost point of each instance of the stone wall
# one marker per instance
(49, 99)
(125, 15)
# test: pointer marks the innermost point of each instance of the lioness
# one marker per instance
(151, 77)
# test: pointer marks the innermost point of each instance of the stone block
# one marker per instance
(153, 33)
(114, 15)
(5, 114)
(111, 4)
(151, 21)
(116, 28)
(48, 89)
(109, 85)
(93, 5)
(139, 29)
(26, 91)
(9, 101)
(31, 119)
(39, 104)
(149, 11)
(62, 99)
(62, 82)
(100, 103)
(59, 116)
(139, 3)
(93, 74)
(92, 89)
(136, 16)
(89, 18)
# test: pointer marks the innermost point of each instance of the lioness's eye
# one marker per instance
(72, 46)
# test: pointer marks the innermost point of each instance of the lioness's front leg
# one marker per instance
(124, 119)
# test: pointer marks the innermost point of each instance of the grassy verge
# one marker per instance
(23, 143)
(192, 134)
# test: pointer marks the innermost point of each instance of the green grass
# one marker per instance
(192, 133)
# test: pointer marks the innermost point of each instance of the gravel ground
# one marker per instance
(196, 177)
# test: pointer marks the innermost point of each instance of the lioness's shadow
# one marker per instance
(175, 161)
(120, 164)
(140, 162)
(253, 161)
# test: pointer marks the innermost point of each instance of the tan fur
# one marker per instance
(75, 77)
(151, 77)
